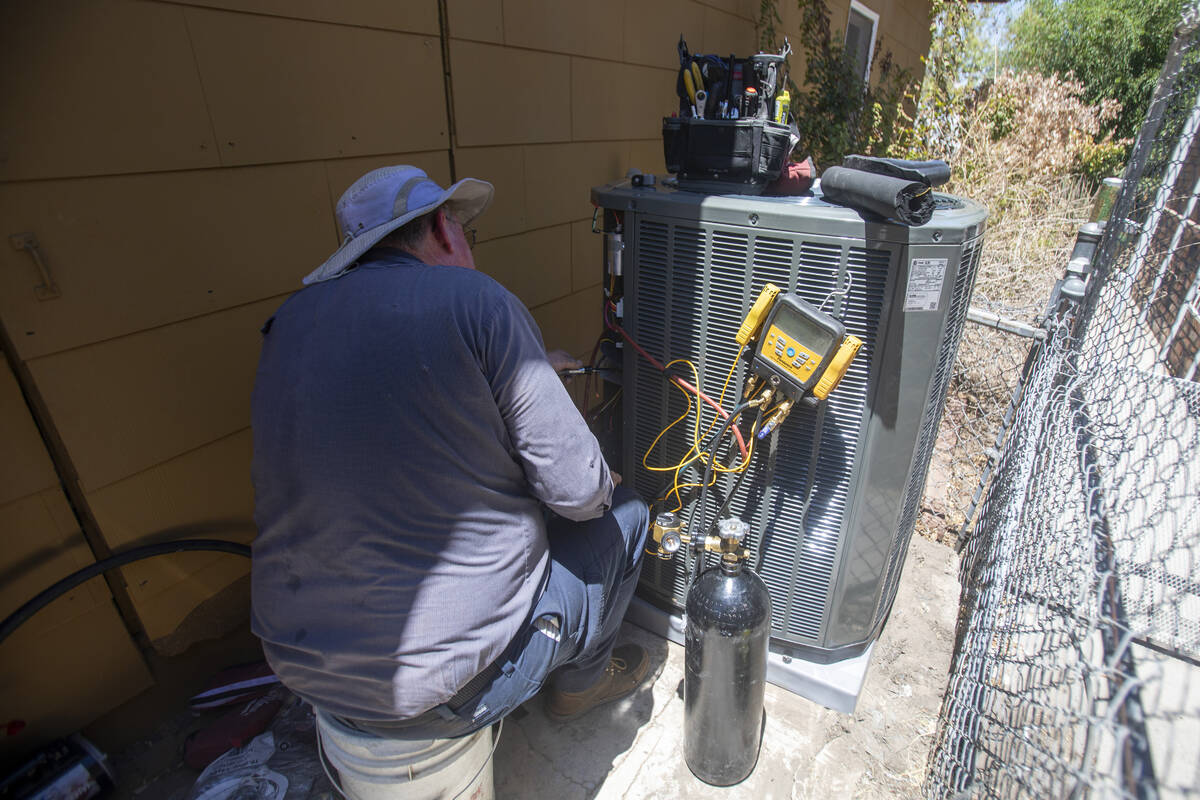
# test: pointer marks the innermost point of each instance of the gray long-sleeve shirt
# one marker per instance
(407, 430)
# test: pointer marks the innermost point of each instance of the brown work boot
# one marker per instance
(627, 668)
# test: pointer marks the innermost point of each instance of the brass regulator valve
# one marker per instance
(668, 535)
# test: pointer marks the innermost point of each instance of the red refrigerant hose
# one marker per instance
(680, 382)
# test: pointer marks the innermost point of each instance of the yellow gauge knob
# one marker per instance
(837, 367)
(758, 313)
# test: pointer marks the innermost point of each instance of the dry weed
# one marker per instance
(1023, 143)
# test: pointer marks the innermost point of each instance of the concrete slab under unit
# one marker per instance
(835, 686)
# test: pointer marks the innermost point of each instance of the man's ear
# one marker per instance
(441, 230)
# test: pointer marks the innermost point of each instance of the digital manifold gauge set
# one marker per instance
(796, 353)
(807, 350)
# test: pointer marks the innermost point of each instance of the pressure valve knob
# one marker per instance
(733, 529)
(731, 532)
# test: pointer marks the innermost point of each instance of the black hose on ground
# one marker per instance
(58, 589)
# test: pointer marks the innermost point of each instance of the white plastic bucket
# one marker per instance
(372, 768)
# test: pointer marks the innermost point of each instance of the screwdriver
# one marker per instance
(566, 373)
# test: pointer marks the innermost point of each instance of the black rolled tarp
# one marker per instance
(910, 202)
(930, 173)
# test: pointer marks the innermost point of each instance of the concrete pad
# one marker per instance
(634, 748)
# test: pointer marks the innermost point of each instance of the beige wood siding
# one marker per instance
(552, 98)
(73, 660)
(903, 31)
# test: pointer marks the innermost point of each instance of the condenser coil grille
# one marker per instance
(831, 498)
(706, 280)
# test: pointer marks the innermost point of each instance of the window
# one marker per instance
(860, 37)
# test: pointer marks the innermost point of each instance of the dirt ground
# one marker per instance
(634, 748)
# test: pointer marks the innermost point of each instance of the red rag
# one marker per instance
(795, 178)
(234, 729)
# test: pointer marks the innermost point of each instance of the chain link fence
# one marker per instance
(978, 408)
(1076, 670)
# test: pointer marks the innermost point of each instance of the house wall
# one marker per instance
(904, 27)
(903, 31)
(74, 659)
(1168, 285)
(178, 163)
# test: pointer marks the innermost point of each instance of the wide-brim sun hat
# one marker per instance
(385, 199)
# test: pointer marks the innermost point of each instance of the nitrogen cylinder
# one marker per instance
(727, 634)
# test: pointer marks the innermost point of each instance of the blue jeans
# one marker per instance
(594, 568)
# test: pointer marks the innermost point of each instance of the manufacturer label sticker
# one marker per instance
(925, 278)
